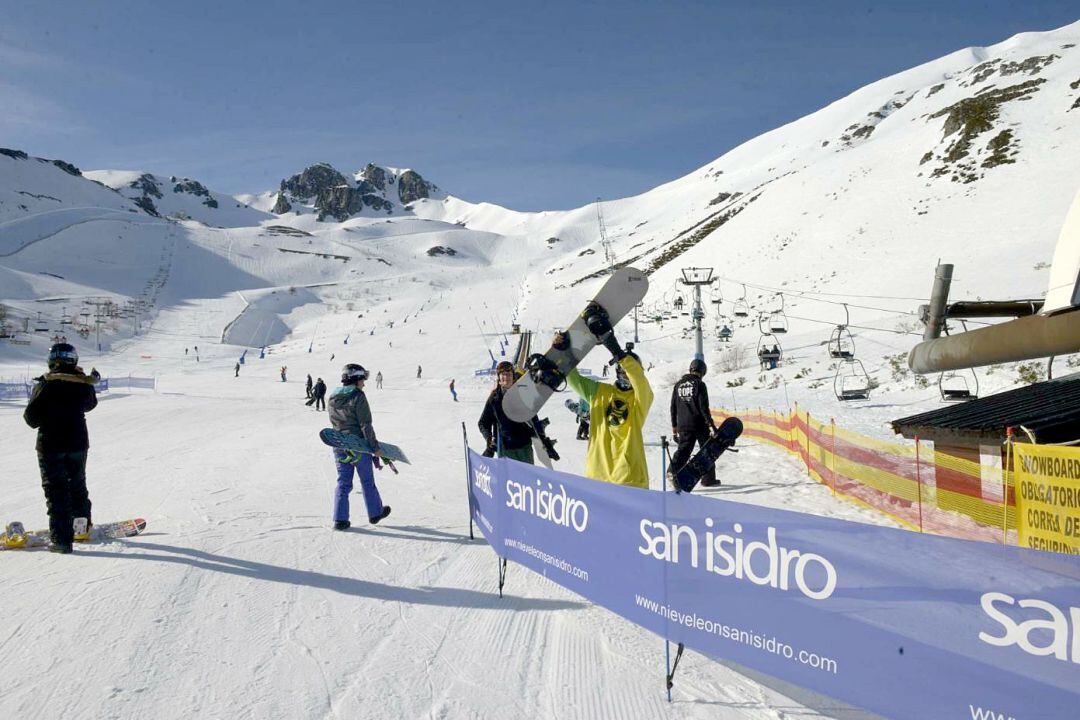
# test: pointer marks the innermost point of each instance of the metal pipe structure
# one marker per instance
(1026, 338)
(935, 317)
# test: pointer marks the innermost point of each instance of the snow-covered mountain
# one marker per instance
(179, 198)
(850, 205)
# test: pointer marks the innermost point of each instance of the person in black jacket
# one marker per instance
(691, 421)
(57, 408)
(318, 394)
(509, 438)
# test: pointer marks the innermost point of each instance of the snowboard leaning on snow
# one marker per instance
(544, 374)
(348, 441)
(686, 478)
(12, 539)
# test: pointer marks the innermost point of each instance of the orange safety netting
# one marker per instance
(954, 491)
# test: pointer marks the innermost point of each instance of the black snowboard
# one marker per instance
(696, 467)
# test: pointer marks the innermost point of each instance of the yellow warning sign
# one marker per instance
(1048, 497)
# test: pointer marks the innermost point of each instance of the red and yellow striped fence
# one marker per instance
(945, 491)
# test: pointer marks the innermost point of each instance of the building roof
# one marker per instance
(1050, 410)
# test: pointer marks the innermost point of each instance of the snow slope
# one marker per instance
(240, 602)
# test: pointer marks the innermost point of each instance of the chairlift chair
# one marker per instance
(768, 354)
(851, 381)
(741, 307)
(778, 322)
(954, 387)
(724, 333)
(841, 342)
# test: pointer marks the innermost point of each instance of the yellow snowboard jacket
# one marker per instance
(617, 417)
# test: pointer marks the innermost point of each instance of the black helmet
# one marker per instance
(353, 372)
(62, 355)
(697, 366)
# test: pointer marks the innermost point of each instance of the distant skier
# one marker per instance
(453, 392)
(378, 380)
(318, 392)
(350, 412)
(307, 386)
(236, 370)
(185, 352)
(580, 408)
(283, 369)
(57, 408)
(691, 419)
(508, 438)
(419, 370)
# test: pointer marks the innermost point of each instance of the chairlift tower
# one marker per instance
(609, 255)
(696, 278)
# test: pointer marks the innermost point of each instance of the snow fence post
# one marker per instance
(663, 485)
(468, 478)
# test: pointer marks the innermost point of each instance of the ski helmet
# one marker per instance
(698, 367)
(353, 372)
(62, 355)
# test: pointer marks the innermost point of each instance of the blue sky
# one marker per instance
(541, 105)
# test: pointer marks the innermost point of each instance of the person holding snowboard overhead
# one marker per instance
(691, 420)
(508, 438)
(616, 412)
(350, 413)
(57, 409)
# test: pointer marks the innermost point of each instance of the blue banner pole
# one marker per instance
(667, 643)
(468, 478)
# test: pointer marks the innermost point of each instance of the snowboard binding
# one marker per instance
(546, 372)
(15, 535)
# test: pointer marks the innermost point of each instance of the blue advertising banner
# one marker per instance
(903, 624)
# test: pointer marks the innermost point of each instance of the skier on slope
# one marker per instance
(57, 408)
(691, 420)
(236, 370)
(616, 412)
(318, 394)
(350, 412)
(378, 380)
(308, 386)
(509, 438)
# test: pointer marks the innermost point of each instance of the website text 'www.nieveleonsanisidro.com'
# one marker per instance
(745, 637)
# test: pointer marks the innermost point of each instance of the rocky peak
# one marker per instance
(413, 187)
(313, 180)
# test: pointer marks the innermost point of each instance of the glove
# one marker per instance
(489, 451)
(95, 375)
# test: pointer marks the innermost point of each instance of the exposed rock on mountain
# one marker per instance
(413, 187)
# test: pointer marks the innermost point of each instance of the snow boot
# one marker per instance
(385, 512)
(341, 524)
(61, 548)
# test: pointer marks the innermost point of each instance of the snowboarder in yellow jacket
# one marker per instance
(616, 412)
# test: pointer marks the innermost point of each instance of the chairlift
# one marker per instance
(778, 322)
(41, 325)
(741, 307)
(715, 296)
(851, 381)
(724, 333)
(770, 357)
(841, 342)
(954, 387)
